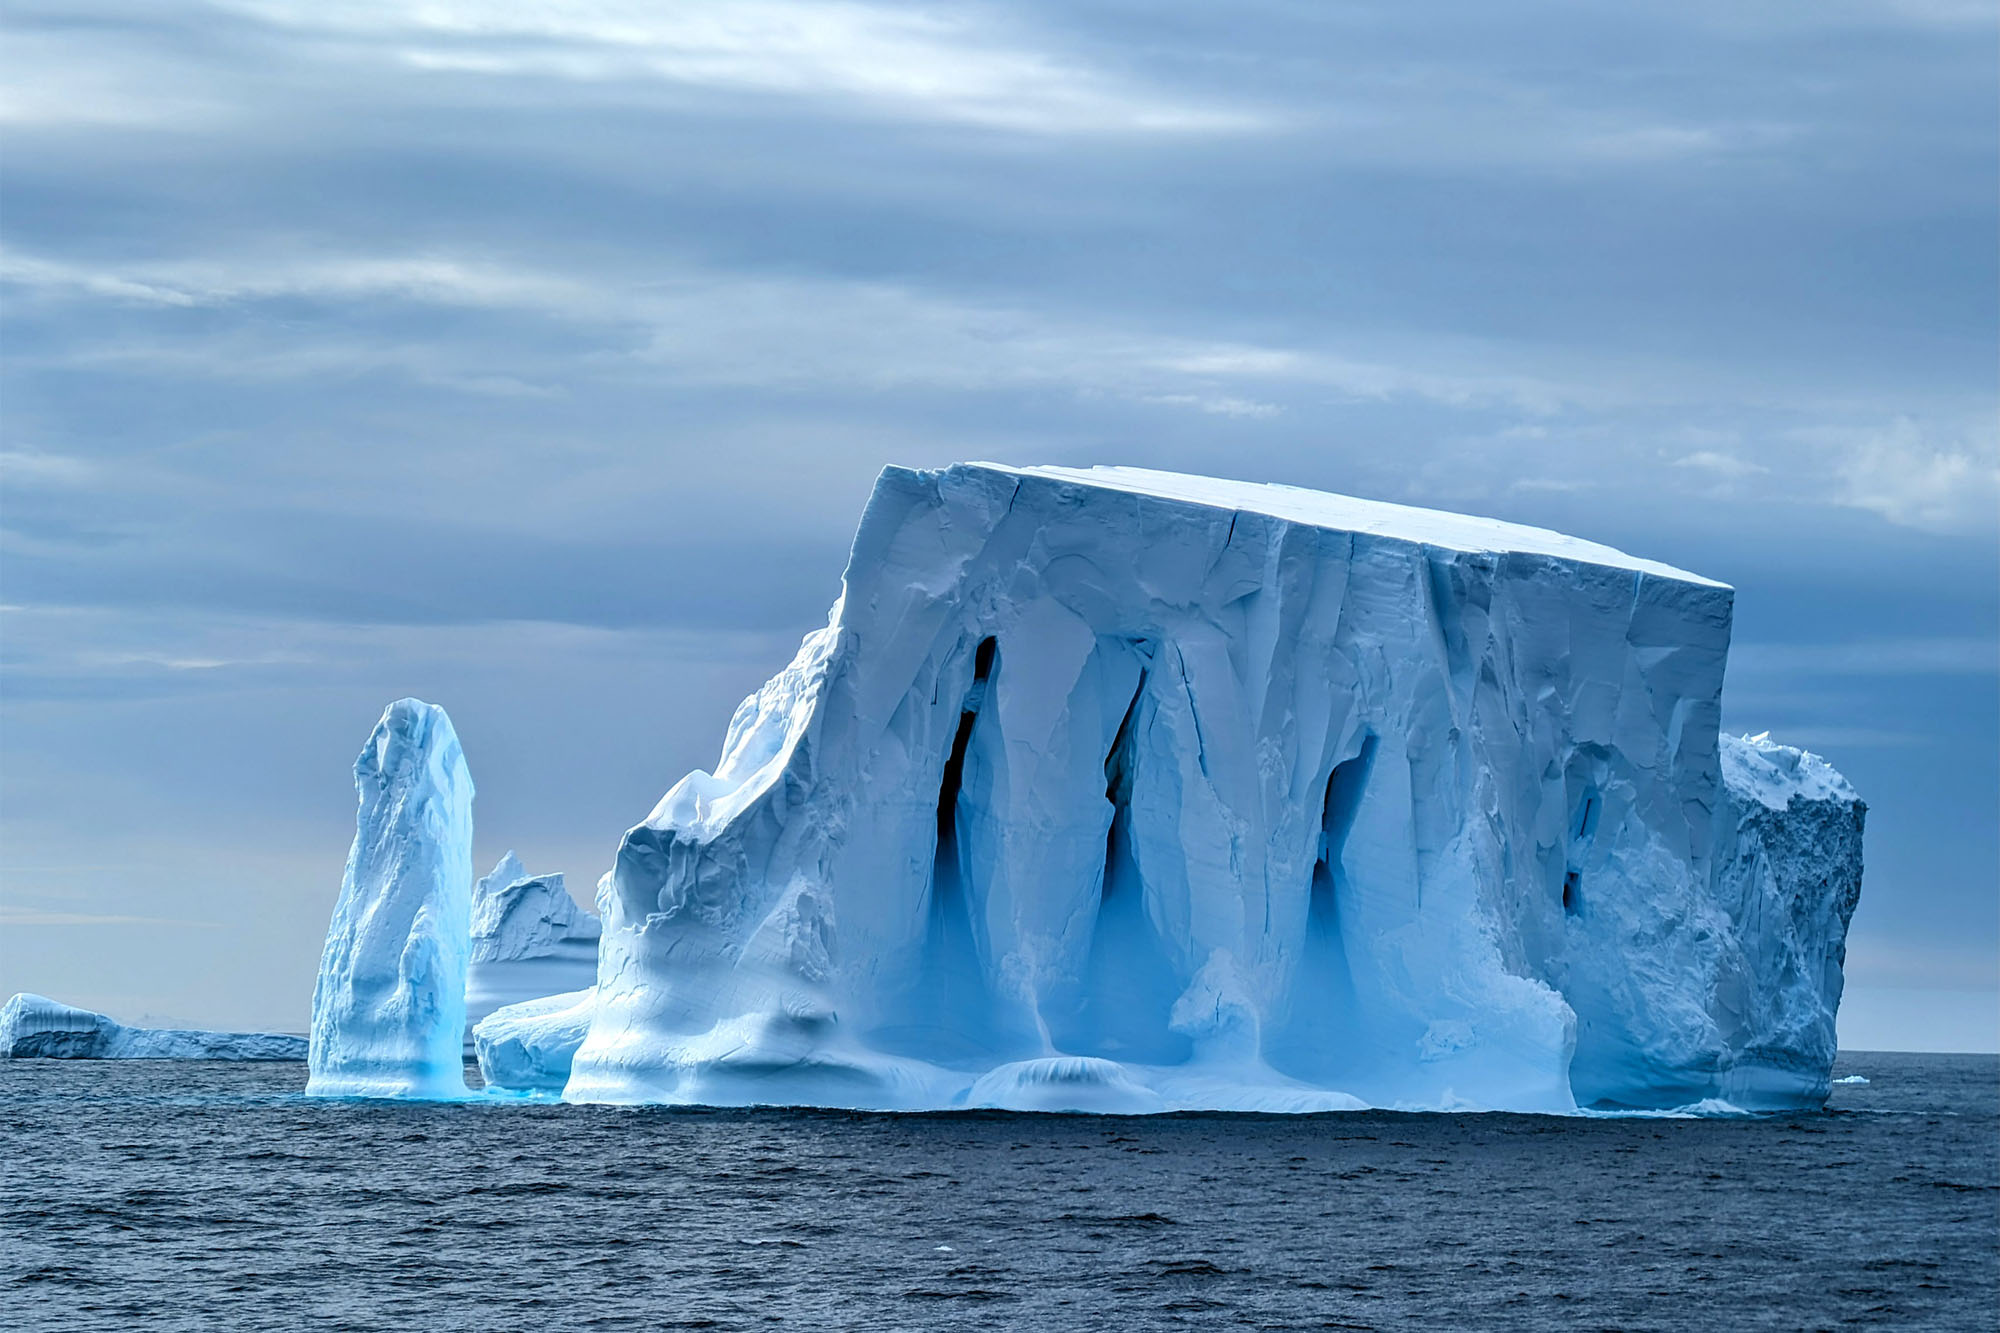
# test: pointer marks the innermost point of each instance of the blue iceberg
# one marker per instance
(389, 1007)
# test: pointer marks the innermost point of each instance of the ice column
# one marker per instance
(389, 1006)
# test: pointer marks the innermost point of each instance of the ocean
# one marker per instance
(159, 1195)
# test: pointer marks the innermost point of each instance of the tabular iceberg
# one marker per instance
(389, 1006)
(36, 1027)
(530, 939)
(1121, 790)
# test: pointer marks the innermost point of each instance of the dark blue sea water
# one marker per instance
(207, 1196)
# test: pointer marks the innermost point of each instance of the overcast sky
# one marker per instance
(537, 360)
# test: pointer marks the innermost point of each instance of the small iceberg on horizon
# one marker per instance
(34, 1027)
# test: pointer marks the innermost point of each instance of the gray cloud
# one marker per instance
(539, 361)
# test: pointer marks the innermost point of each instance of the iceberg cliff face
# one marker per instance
(1788, 875)
(1111, 788)
(529, 939)
(389, 1006)
(36, 1027)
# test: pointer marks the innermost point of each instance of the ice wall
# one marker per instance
(36, 1027)
(1131, 789)
(529, 939)
(1788, 876)
(389, 1006)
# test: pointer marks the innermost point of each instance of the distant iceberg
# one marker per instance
(529, 939)
(36, 1027)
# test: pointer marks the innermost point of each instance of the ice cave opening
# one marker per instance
(952, 1013)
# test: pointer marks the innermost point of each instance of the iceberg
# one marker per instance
(36, 1027)
(388, 1016)
(1788, 876)
(530, 939)
(1111, 789)
(529, 1046)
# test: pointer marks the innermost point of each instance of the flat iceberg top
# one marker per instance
(1345, 513)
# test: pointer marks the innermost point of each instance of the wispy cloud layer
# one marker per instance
(683, 324)
(1950, 655)
(926, 63)
(721, 328)
(1911, 477)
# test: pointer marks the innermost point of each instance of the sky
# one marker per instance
(537, 360)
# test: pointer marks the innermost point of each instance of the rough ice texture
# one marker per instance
(36, 1027)
(1788, 874)
(1115, 790)
(527, 1047)
(529, 939)
(389, 1006)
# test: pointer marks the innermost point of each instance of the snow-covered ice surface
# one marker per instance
(1346, 513)
(1118, 790)
(389, 1006)
(529, 939)
(36, 1027)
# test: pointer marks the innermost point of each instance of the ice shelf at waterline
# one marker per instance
(35, 1027)
(528, 1046)
(1118, 790)
(389, 1006)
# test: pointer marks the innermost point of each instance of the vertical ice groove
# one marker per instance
(952, 1005)
(1129, 983)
